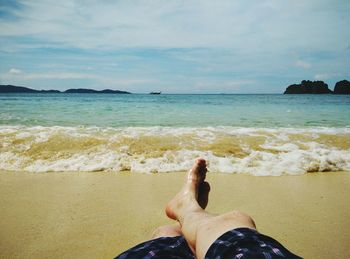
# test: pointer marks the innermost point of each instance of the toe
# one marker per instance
(198, 171)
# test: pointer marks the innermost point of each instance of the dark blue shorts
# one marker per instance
(236, 243)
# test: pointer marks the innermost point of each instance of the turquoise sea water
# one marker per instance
(105, 110)
(253, 134)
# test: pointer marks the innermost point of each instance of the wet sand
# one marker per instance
(98, 215)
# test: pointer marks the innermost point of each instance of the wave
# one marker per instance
(255, 151)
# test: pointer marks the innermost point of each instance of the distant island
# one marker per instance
(22, 89)
(318, 87)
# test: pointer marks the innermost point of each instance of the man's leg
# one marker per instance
(167, 240)
(199, 227)
(231, 235)
(175, 230)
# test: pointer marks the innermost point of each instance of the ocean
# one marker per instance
(253, 134)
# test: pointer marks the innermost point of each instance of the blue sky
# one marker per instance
(174, 46)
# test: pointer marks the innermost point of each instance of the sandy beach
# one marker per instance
(98, 215)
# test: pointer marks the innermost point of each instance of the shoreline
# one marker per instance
(257, 151)
(101, 214)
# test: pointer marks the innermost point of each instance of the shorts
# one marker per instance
(236, 243)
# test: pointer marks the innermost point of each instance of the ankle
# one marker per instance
(193, 215)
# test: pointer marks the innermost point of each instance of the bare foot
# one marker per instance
(194, 194)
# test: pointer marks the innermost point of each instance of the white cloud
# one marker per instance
(326, 76)
(257, 25)
(15, 71)
(64, 75)
(18, 75)
(302, 64)
(224, 85)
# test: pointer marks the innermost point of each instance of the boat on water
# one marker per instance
(155, 92)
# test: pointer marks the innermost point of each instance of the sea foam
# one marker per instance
(255, 151)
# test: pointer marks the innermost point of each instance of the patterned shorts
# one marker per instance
(236, 243)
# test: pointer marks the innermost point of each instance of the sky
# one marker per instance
(174, 46)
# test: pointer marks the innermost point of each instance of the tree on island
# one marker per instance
(308, 87)
(22, 89)
(342, 87)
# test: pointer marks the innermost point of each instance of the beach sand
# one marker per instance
(98, 215)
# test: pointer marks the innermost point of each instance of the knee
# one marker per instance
(240, 217)
(226, 222)
(166, 231)
(160, 232)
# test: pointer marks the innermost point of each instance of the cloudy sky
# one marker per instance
(174, 46)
